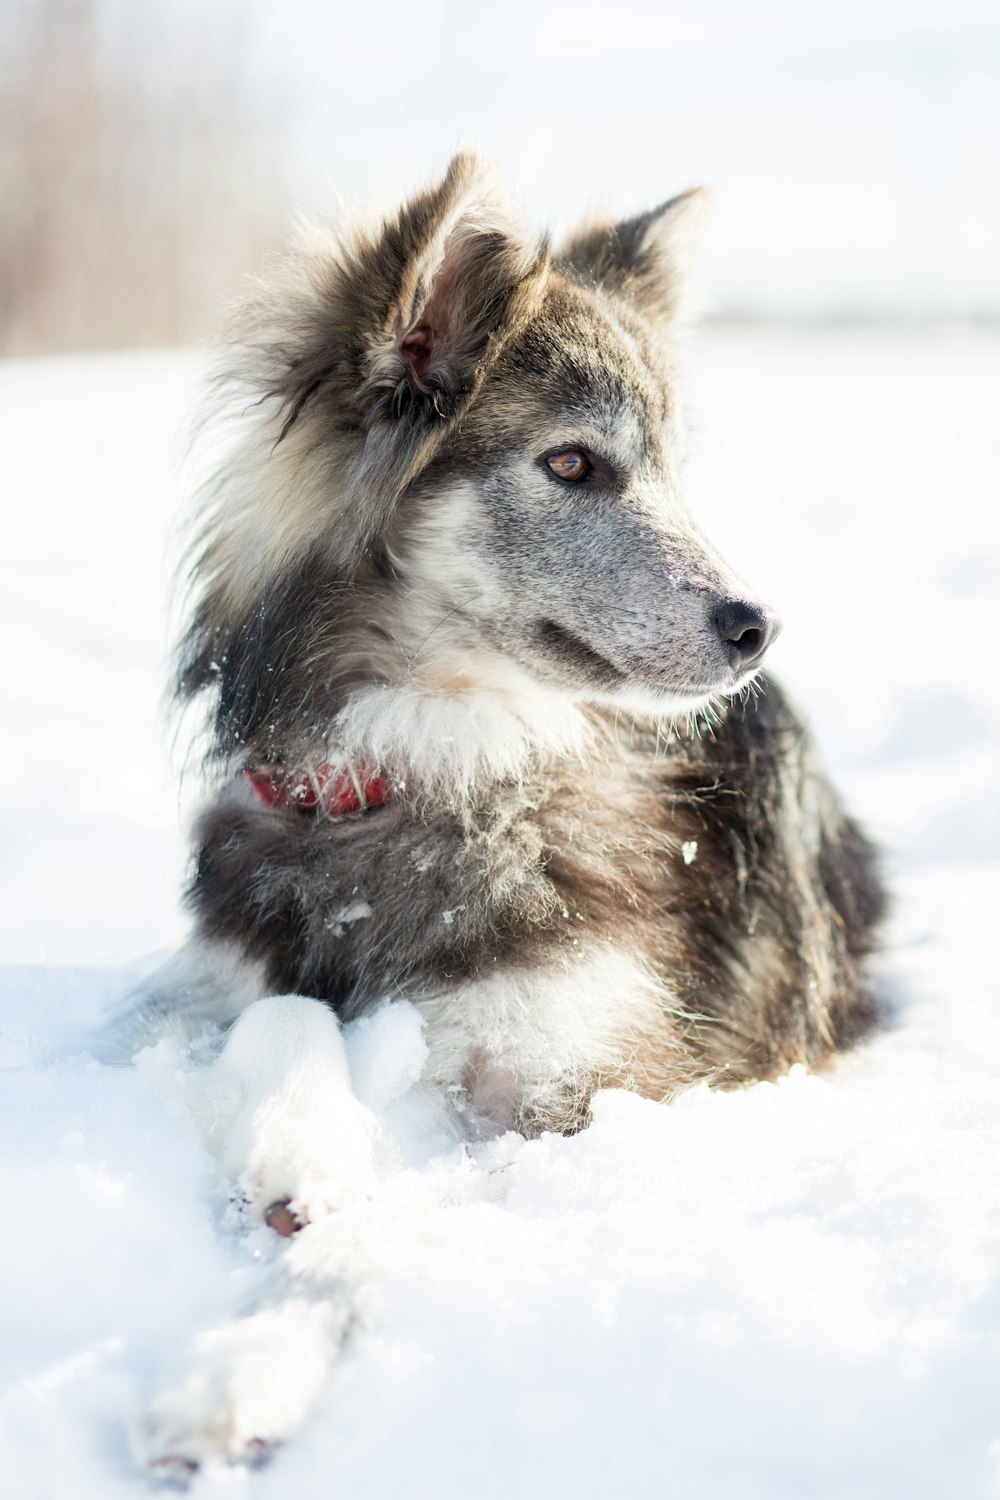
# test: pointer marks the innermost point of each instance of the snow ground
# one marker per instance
(789, 1292)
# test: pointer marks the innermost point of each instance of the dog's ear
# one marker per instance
(392, 330)
(432, 290)
(651, 259)
(346, 367)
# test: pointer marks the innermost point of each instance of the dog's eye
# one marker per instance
(572, 466)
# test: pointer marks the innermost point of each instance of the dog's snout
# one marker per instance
(747, 630)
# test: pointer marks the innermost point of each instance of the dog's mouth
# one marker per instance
(595, 672)
(578, 657)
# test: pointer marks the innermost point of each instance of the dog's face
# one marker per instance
(552, 521)
(457, 462)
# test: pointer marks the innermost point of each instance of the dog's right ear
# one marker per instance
(389, 331)
(652, 259)
(433, 288)
(346, 368)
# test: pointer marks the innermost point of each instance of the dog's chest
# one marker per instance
(406, 899)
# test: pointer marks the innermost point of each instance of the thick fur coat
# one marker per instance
(445, 552)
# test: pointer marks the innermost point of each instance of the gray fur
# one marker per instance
(385, 550)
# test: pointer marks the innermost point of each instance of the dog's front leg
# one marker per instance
(278, 1108)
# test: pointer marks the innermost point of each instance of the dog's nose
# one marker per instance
(747, 631)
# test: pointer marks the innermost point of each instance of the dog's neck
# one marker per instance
(459, 733)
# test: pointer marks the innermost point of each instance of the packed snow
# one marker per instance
(785, 1292)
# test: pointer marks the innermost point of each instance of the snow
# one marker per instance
(791, 1291)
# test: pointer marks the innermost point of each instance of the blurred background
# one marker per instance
(153, 150)
(845, 454)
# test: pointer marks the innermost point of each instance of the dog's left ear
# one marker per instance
(651, 259)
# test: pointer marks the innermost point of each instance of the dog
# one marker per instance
(485, 722)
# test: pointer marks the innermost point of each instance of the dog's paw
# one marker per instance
(177, 1472)
(280, 1111)
(304, 1159)
(246, 1387)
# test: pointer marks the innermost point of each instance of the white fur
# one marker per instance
(667, 708)
(245, 1385)
(448, 740)
(278, 1108)
(516, 1039)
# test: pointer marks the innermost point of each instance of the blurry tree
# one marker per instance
(152, 150)
(136, 187)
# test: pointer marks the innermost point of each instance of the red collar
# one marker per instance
(323, 789)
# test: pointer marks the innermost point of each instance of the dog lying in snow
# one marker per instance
(486, 726)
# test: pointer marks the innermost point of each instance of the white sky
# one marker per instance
(854, 150)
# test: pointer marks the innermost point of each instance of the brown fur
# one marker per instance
(408, 384)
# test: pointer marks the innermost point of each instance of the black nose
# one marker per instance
(747, 630)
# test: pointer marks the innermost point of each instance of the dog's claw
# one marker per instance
(174, 1470)
(177, 1472)
(280, 1218)
(259, 1452)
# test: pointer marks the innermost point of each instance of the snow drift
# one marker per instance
(790, 1291)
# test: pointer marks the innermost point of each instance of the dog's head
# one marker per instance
(453, 441)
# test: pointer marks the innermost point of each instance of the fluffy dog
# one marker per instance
(485, 719)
